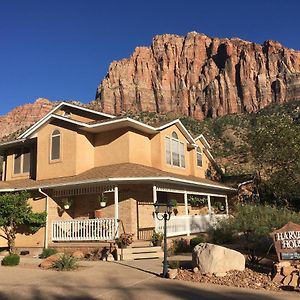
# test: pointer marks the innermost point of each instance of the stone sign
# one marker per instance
(287, 242)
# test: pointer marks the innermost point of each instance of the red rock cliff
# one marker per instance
(201, 77)
(23, 116)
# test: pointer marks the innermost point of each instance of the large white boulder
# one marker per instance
(210, 258)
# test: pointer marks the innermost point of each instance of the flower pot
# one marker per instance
(156, 243)
(66, 206)
(102, 203)
(98, 213)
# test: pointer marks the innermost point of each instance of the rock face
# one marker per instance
(24, 116)
(201, 77)
(210, 258)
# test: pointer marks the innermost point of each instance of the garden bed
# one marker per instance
(243, 279)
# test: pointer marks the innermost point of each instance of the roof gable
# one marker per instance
(181, 127)
(53, 114)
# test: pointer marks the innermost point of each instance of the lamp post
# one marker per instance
(165, 210)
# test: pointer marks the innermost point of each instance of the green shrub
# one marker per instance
(223, 233)
(48, 252)
(174, 264)
(251, 227)
(65, 263)
(11, 260)
(180, 246)
(196, 241)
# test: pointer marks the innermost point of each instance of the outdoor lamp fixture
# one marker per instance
(163, 211)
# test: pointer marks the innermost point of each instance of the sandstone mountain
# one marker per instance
(23, 116)
(201, 77)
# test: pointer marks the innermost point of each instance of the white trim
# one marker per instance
(127, 179)
(182, 127)
(116, 202)
(89, 110)
(47, 218)
(32, 129)
(201, 137)
(51, 113)
(125, 119)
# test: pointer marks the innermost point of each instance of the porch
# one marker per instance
(133, 205)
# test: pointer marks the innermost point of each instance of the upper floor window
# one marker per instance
(199, 157)
(174, 151)
(22, 161)
(55, 145)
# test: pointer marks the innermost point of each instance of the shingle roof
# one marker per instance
(117, 171)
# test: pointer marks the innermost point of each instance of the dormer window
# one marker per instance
(55, 145)
(174, 151)
(199, 157)
(22, 161)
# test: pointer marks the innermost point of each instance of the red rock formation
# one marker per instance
(24, 116)
(201, 77)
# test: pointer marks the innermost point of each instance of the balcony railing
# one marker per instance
(181, 225)
(103, 229)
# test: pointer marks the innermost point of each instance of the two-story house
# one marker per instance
(74, 156)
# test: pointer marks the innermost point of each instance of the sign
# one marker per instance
(287, 242)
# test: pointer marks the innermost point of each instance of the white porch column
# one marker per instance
(116, 200)
(226, 205)
(154, 201)
(209, 205)
(187, 220)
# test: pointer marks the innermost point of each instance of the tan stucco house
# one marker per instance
(74, 155)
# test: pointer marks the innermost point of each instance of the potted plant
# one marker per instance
(124, 240)
(102, 200)
(157, 238)
(66, 203)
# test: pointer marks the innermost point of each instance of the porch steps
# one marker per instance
(135, 253)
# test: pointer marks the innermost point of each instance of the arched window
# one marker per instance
(55, 145)
(199, 157)
(174, 151)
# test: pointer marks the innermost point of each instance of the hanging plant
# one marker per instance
(102, 200)
(196, 201)
(66, 203)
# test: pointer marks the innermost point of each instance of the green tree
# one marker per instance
(275, 146)
(15, 211)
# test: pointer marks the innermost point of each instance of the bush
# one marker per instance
(11, 260)
(196, 241)
(180, 246)
(65, 263)
(48, 252)
(223, 233)
(174, 264)
(252, 225)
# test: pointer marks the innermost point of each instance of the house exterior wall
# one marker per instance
(81, 151)
(111, 147)
(85, 158)
(66, 165)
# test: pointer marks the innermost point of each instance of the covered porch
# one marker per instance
(129, 207)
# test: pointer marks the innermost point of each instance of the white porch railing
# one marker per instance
(181, 225)
(84, 230)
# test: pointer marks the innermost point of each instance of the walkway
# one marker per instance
(111, 280)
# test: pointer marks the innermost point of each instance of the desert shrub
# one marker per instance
(251, 226)
(195, 241)
(11, 260)
(180, 246)
(65, 263)
(174, 264)
(48, 252)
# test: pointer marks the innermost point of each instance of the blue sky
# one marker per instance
(61, 49)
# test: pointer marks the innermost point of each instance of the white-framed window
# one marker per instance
(55, 145)
(174, 151)
(199, 157)
(22, 161)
